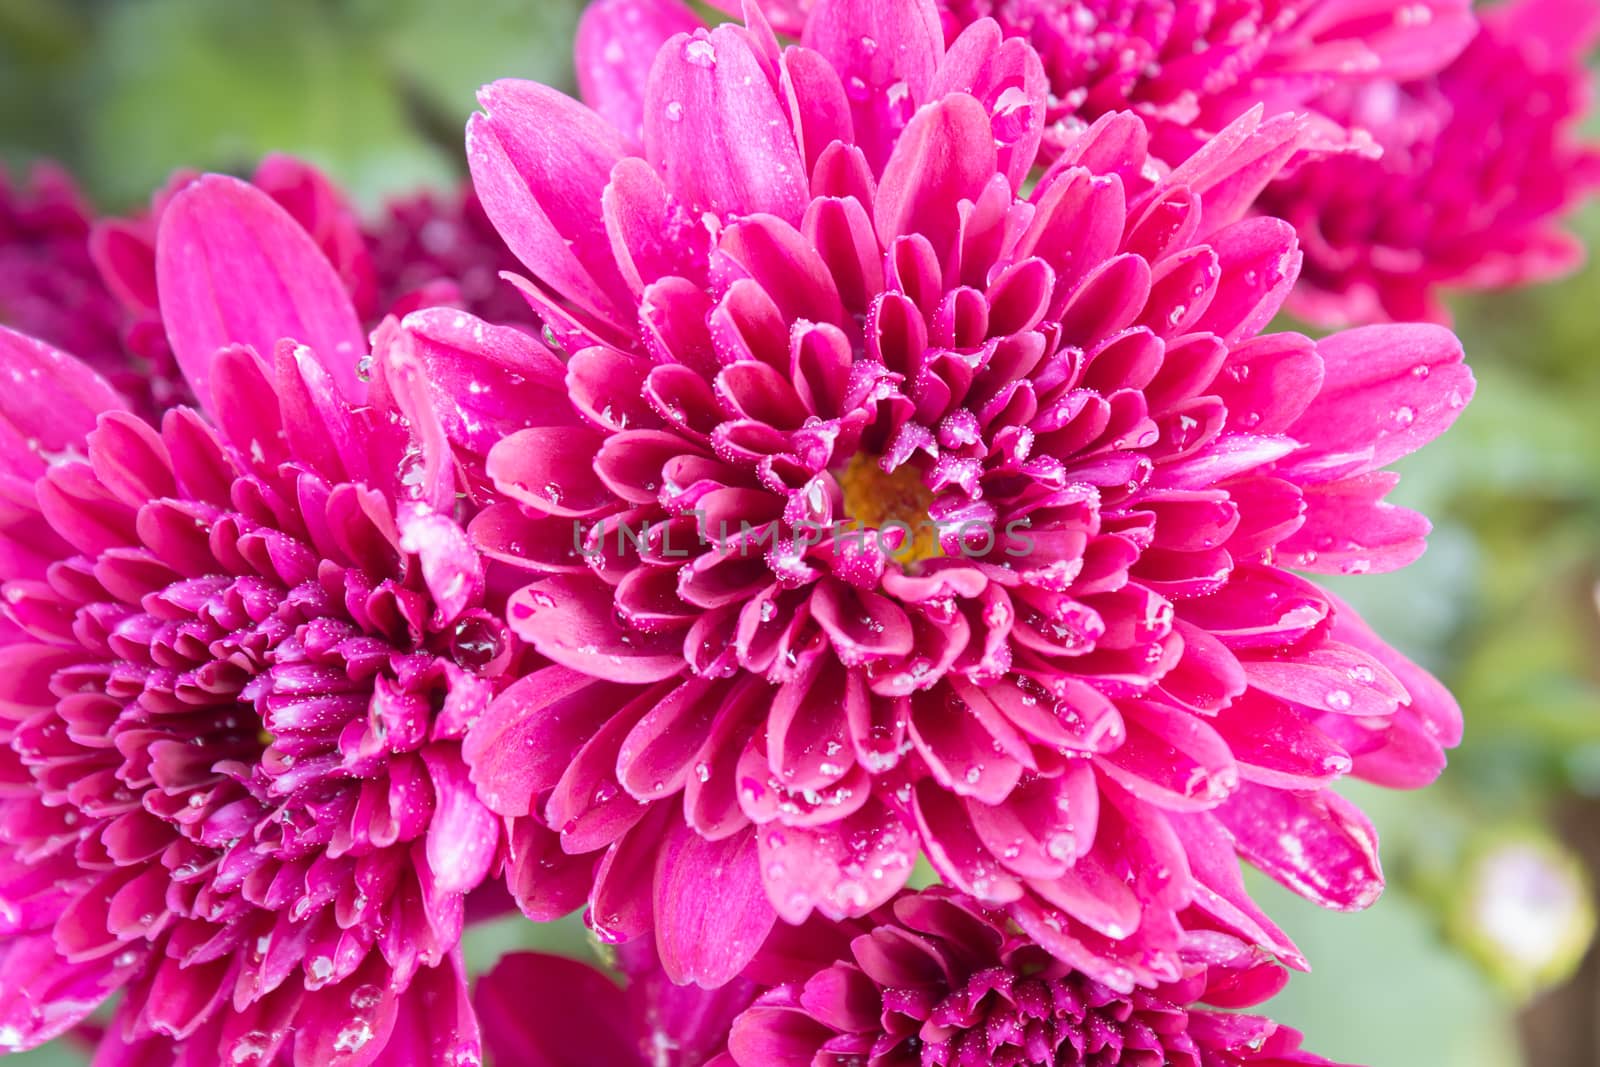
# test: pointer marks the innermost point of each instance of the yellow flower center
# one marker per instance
(874, 499)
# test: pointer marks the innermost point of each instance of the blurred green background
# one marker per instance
(1472, 957)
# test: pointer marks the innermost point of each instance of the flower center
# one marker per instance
(884, 501)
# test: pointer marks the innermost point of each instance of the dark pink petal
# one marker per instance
(436, 1022)
(1259, 262)
(776, 1037)
(544, 880)
(43, 996)
(234, 268)
(656, 756)
(819, 110)
(1350, 529)
(710, 911)
(487, 381)
(638, 218)
(551, 470)
(1275, 745)
(1009, 80)
(1171, 758)
(347, 1025)
(955, 848)
(1232, 168)
(524, 741)
(463, 835)
(570, 619)
(550, 1011)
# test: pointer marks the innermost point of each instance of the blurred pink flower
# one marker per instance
(239, 653)
(49, 286)
(1100, 681)
(1190, 67)
(1479, 166)
(944, 982)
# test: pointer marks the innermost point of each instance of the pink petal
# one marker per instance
(1387, 391)
(540, 161)
(715, 129)
(234, 268)
(487, 381)
(463, 836)
(52, 406)
(617, 42)
(841, 869)
(436, 1022)
(571, 619)
(551, 469)
(1317, 844)
(945, 155)
(348, 1025)
(522, 744)
(707, 937)
(886, 52)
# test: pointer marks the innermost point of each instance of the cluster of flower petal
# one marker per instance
(1189, 68)
(895, 498)
(239, 652)
(435, 249)
(941, 981)
(1479, 166)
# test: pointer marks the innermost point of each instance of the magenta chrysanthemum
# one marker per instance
(1479, 165)
(239, 653)
(804, 330)
(49, 287)
(944, 982)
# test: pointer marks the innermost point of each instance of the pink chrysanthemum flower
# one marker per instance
(1479, 165)
(1189, 68)
(806, 329)
(49, 287)
(946, 982)
(239, 653)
